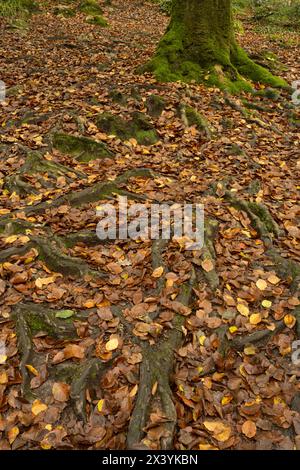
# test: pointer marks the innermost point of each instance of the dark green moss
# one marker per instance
(138, 127)
(82, 148)
(90, 7)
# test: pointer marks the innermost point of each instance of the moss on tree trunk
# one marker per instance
(199, 44)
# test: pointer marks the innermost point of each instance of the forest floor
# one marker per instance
(132, 343)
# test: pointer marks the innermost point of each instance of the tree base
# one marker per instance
(234, 75)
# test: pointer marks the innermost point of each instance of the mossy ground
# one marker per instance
(82, 148)
(138, 127)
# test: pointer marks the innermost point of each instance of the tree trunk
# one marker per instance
(199, 45)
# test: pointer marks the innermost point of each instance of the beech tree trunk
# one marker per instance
(199, 44)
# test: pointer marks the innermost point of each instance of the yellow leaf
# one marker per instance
(3, 358)
(48, 427)
(278, 401)
(255, 318)
(272, 279)
(44, 281)
(158, 272)
(134, 390)
(243, 309)
(31, 369)
(249, 428)
(207, 447)
(112, 344)
(261, 284)
(202, 339)
(11, 239)
(100, 405)
(289, 320)
(38, 407)
(154, 388)
(249, 350)
(12, 434)
(220, 431)
(266, 303)
(45, 444)
(3, 378)
(227, 399)
(233, 329)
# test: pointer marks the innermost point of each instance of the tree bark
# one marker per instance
(199, 44)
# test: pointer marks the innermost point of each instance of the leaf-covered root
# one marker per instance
(82, 148)
(208, 255)
(31, 318)
(85, 375)
(191, 117)
(96, 192)
(154, 389)
(35, 164)
(260, 217)
(50, 252)
(268, 230)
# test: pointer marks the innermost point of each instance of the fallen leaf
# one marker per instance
(158, 272)
(12, 434)
(289, 320)
(61, 391)
(221, 432)
(207, 265)
(261, 284)
(243, 309)
(249, 428)
(112, 344)
(38, 407)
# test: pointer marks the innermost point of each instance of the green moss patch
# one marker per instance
(90, 7)
(97, 20)
(138, 127)
(82, 148)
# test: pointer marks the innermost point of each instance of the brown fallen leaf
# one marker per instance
(207, 265)
(61, 391)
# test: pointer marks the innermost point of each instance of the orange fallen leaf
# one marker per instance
(158, 272)
(12, 434)
(112, 344)
(289, 320)
(261, 284)
(249, 428)
(207, 265)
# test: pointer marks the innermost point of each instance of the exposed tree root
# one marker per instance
(85, 374)
(208, 253)
(36, 164)
(31, 318)
(156, 368)
(93, 193)
(59, 262)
